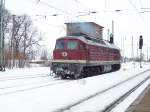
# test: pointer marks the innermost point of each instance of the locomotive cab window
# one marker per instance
(60, 44)
(72, 45)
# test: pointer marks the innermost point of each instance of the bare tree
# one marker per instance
(30, 40)
(24, 40)
(6, 28)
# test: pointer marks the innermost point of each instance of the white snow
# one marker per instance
(22, 91)
(100, 102)
(122, 107)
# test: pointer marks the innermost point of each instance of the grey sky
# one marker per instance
(128, 22)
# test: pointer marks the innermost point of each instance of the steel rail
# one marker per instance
(23, 77)
(68, 107)
(52, 83)
(124, 96)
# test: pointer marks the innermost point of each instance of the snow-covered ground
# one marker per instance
(34, 90)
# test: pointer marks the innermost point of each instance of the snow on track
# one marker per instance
(23, 77)
(51, 98)
(123, 106)
(100, 102)
(29, 86)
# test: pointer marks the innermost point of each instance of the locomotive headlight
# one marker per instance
(64, 54)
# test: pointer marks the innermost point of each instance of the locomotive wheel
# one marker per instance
(116, 67)
(76, 76)
(63, 77)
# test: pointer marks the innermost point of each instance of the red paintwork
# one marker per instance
(76, 54)
(91, 52)
(103, 53)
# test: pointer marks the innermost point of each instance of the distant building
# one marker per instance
(90, 29)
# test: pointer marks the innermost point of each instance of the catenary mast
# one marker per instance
(2, 56)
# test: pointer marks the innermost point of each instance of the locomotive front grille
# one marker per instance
(66, 68)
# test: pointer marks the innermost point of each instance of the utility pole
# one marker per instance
(132, 50)
(147, 54)
(25, 37)
(112, 34)
(140, 47)
(108, 34)
(2, 54)
(137, 49)
(113, 27)
(12, 42)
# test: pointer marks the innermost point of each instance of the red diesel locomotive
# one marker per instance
(79, 55)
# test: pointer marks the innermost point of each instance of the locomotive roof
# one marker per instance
(92, 41)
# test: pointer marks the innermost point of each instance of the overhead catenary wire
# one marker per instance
(61, 11)
(78, 15)
(139, 14)
(86, 13)
(145, 8)
(44, 3)
(53, 25)
(141, 5)
(146, 26)
(58, 9)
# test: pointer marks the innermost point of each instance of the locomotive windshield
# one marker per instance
(60, 44)
(72, 45)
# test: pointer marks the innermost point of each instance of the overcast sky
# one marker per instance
(131, 18)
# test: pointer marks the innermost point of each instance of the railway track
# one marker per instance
(43, 80)
(23, 77)
(123, 97)
(88, 103)
(15, 89)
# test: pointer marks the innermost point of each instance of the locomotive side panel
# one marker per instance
(103, 55)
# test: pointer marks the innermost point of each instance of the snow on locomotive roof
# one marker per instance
(91, 41)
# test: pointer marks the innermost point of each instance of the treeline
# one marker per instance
(21, 40)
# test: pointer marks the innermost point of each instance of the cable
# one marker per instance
(140, 1)
(105, 5)
(48, 23)
(145, 8)
(65, 12)
(44, 3)
(139, 14)
(133, 6)
(55, 8)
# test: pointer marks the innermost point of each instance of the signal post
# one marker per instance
(140, 47)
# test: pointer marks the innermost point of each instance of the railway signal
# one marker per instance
(140, 47)
(140, 42)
